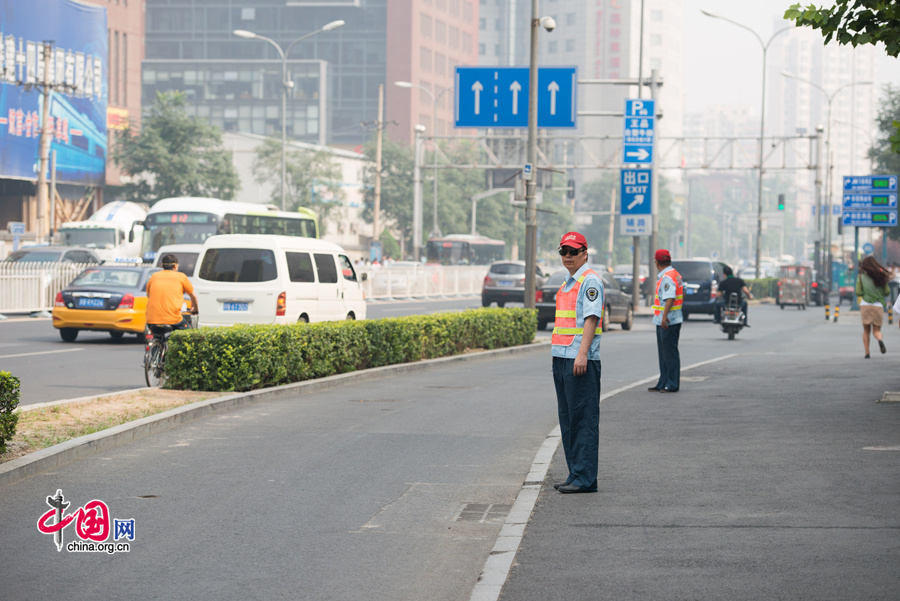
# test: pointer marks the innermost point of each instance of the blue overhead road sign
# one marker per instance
(637, 142)
(498, 97)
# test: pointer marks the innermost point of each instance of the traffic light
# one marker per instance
(781, 202)
(680, 240)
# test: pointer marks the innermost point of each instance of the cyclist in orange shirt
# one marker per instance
(165, 296)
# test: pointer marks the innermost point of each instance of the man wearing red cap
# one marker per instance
(576, 364)
(668, 317)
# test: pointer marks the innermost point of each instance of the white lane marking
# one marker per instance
(65, 350)
(499, 562)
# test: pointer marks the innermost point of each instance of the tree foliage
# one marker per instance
(885, 152)
(313, 179)
(174, 154)
(853, 22)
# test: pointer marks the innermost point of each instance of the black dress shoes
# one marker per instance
(654, 389)
(567, 489)
(667, 390)
(556, 485)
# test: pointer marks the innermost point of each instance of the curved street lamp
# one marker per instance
(285, 85)
(435, 231)
(762, 122)
(828, 182)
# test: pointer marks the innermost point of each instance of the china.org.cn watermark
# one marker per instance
(93, 527)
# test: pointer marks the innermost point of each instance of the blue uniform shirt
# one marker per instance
(667, 291)
(583, 307)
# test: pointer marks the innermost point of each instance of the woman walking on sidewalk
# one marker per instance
(871, 288)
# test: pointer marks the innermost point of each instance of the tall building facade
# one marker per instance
(428, 40)
(235, 83)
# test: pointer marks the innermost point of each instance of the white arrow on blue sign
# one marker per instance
(640, 120)
(498, 97)
(636, 191)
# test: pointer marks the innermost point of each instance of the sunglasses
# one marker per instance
(568, 250)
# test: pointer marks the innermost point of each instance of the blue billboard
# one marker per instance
(78, 76)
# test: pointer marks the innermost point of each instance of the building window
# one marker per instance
(440, 32)
(248, 14)
(481, 49)
(425, 59)
(570, 45)
(482, 24)
(656, 40)
(425, 26)
(571, 18)
(656, 15)
(551, 47)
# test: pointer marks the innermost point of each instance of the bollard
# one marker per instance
(837, 312)
(827, 311)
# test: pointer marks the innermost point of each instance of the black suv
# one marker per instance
(701, 284)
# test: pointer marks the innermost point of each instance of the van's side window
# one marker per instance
(347, 268)
(238, 265)
(326, 268)
(300, 267)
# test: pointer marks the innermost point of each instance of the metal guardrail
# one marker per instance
(423, 281)
(31, 287)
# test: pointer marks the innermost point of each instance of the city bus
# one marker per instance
(464, 249)
(190, 220)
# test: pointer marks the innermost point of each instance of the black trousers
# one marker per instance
(669, 359)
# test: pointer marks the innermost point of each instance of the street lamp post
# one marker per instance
(417, 193)
(829, 184)
(285, 85)
(435, 230)
(762, 124)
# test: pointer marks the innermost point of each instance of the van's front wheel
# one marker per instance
(303, 319)
(351, 317)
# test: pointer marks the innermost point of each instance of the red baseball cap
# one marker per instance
(663, 255)
(573, 239)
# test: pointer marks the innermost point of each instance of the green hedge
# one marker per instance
(9, 400)
(249, 357)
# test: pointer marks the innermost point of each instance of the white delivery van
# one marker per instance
(262, 279)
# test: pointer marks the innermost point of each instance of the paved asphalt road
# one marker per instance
(773, 474)
(51, 369)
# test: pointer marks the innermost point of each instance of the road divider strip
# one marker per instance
(499, 562)
(83, 446)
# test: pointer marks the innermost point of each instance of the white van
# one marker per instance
(255, 279)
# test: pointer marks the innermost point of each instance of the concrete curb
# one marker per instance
(83, 446)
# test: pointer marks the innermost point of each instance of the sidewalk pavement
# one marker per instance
(774, 474)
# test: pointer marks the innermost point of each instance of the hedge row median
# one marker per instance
(249, 357)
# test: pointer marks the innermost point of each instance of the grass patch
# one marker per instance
(41, 428)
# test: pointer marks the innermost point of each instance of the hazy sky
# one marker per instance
(724, 62)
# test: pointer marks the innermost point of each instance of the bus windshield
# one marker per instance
(161, 229)
(477, 251)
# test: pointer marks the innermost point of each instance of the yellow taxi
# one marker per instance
(107, 298)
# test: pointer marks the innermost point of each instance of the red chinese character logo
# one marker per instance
(93, 521)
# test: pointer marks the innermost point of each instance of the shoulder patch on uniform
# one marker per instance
(668, 285)
(592, 293)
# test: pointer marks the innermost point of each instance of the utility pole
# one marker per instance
(379, 132)
(531, 183)
(44, 144)
(612, 228)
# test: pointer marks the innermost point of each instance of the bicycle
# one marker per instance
(155, 353)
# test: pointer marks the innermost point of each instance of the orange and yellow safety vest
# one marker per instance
(565, 326)
(679, 292)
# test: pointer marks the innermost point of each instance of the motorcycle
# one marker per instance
(733, 318)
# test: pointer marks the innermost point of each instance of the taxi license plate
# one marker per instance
(235, 307)
(91, 303)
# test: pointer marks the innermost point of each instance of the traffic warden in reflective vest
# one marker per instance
(576, 364)
(667, 316)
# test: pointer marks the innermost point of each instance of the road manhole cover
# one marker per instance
(483, 513)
